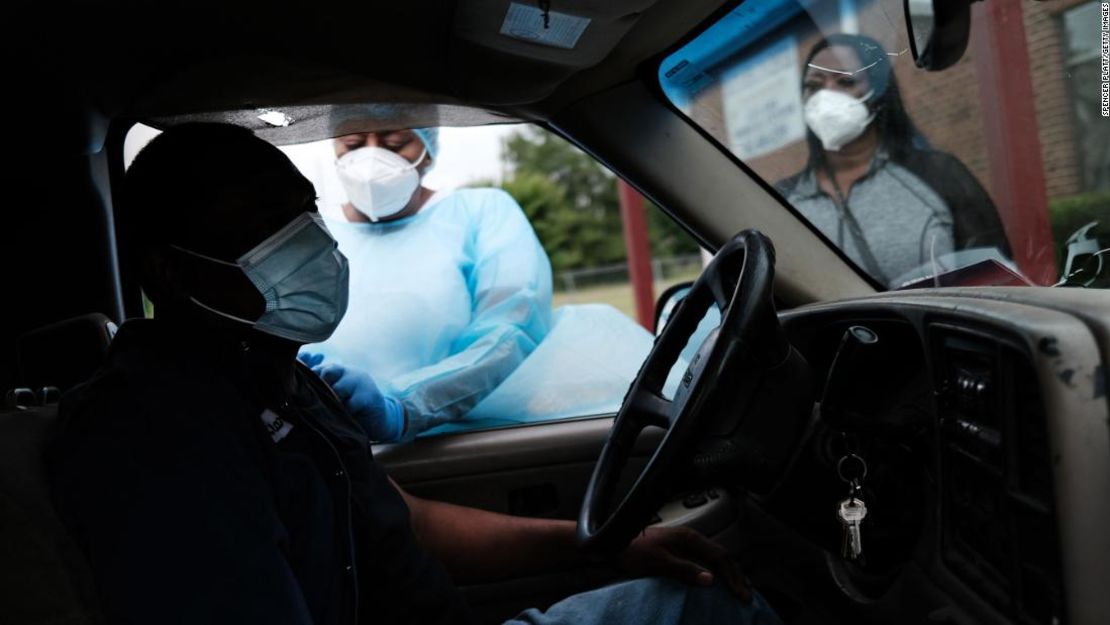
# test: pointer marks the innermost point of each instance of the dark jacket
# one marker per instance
(191, 509)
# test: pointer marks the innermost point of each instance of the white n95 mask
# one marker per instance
(836, 117)
(379, 182)
(301, 273)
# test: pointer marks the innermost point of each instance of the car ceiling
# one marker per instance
(73, 71)
(165, 62)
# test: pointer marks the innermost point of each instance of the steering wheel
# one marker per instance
(704, 423)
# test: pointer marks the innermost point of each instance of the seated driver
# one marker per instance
(209, 478)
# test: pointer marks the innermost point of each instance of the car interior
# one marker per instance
(973, 420)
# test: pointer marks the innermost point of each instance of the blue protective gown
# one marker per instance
(444, 304)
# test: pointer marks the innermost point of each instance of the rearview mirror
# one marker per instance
(938, 31)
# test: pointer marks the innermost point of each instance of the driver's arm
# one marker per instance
(476, 546)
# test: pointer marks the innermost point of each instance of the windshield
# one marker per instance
(995, 170)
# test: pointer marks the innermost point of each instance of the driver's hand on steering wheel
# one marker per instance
(686, 555)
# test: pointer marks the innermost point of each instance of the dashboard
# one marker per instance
(981, 418)
(981, 414)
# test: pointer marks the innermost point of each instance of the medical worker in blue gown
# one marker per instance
(449, 291)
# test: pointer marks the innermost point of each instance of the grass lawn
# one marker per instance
(617, 295)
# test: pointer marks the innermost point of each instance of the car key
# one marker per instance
(851, 513)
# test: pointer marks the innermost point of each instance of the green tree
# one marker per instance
(667, 237)
(572, 202)
(571, 237)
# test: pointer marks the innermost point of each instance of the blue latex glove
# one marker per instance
(381, 416)
(311, 359)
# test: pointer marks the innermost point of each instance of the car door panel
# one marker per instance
(537, 470)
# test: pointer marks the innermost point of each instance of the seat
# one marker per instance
(65, 353)
(43, 575)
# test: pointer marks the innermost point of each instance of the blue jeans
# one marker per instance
(652, 601)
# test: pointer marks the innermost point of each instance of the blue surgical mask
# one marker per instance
(301, 273)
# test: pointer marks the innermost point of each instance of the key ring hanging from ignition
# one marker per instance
(854, 481)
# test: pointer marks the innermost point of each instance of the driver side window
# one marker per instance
(498, 293)
(506, 299)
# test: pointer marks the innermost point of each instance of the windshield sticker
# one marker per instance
(545, 27)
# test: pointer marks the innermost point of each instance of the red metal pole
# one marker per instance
(636, 244)
(1001, 57)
